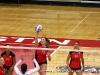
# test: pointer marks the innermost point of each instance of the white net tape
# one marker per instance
(34, 48)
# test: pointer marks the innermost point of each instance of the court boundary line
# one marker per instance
(2, 9)
(80, 23)
(55, 51)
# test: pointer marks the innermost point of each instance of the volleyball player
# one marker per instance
(2, 69)
(75, 58)
(42, 55)
(10, 60)
(24, 68)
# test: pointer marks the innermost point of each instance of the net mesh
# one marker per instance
(26, 53)
(57, 66)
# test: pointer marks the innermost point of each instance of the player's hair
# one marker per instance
(23, 68)
(48, 41)
(0, 57)
(77, 42)
(7, 44)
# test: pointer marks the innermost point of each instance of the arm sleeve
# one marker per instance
(3, 53)
(16, 67)
(12, 54)
(35, 69)
(82, 52)
(70, 52)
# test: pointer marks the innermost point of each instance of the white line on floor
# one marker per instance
(80, 23)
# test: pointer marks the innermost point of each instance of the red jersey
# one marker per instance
(8, 58)
(2, 71)
(41, 55)
(75, 59)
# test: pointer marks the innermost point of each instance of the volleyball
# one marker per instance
(38, 27)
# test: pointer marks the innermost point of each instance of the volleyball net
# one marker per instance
(57, 66)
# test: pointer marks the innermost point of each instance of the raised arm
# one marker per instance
(16, 67)
(35, 69)
(36, 39)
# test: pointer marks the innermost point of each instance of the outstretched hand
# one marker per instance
(33, 56)
(37, 32)
(22, 58)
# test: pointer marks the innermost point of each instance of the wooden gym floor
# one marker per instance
(57, 21)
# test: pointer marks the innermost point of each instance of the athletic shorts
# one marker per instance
(45, 62)
(7, 67)
(76, 69)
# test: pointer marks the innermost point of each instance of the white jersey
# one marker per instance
(30, 72)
